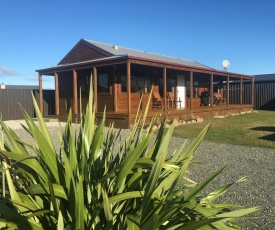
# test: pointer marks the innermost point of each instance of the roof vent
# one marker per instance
(115, 47)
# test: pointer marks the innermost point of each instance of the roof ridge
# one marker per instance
(145, 51)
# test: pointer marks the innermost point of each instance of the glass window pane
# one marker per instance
(123, 84)
(137, 84)
(187, 89)
(103, 83)
(196, 89)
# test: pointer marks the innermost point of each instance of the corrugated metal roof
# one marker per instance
(120, 51)
(30, 87)
(265, 77)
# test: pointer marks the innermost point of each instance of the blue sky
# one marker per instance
(37, 34)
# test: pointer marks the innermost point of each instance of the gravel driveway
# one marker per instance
(257, 164)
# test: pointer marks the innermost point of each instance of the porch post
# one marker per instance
(114, 77)
(95, 86)
(129, 87)
(241, 91)
(164, 88)
(211, 91)
(56, 93)
(191, 90)
(227, 90)
(75, 92)
(40, 94)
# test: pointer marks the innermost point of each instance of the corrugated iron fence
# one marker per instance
(13, 100)
(264, 94)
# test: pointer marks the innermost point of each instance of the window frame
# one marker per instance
(100, 79)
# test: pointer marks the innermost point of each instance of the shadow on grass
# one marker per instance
(269, 137)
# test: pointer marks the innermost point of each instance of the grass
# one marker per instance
(252, 129)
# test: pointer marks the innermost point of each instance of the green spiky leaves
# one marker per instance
(95, 181)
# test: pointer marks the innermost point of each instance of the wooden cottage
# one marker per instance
(181, 88)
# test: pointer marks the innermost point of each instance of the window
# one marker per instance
(103, 83)
(138, 84)
(171, 84)
(196, 89)
(188, 89)
(83, 83)
(123, 84)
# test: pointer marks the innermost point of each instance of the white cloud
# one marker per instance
(35, 79)
(32, 79)
(6, 71)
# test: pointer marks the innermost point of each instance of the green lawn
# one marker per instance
(251, 129)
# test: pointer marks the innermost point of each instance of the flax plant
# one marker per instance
(95, 180)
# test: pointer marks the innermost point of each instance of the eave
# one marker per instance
(190, 68)
(82, 65)
(137, 60)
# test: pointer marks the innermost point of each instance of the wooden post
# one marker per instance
(164, 88)
(211, 91)
(75, 110)
(40, 94)
(115, 89)
(95, 86)
(129, 87)
(191, 90)
(227, 90)
(241, 91)
(56, 93)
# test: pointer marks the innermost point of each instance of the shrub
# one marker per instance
(96, 181)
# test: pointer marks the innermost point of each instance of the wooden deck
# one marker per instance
(123, 120)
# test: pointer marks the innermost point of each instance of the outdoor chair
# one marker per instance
(172, 102)
(218, 99)
(157, 100)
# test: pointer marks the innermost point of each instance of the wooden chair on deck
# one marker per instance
(172, 101)
(218, 99)
(157, 100)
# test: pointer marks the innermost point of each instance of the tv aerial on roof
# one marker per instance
(225, 64)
